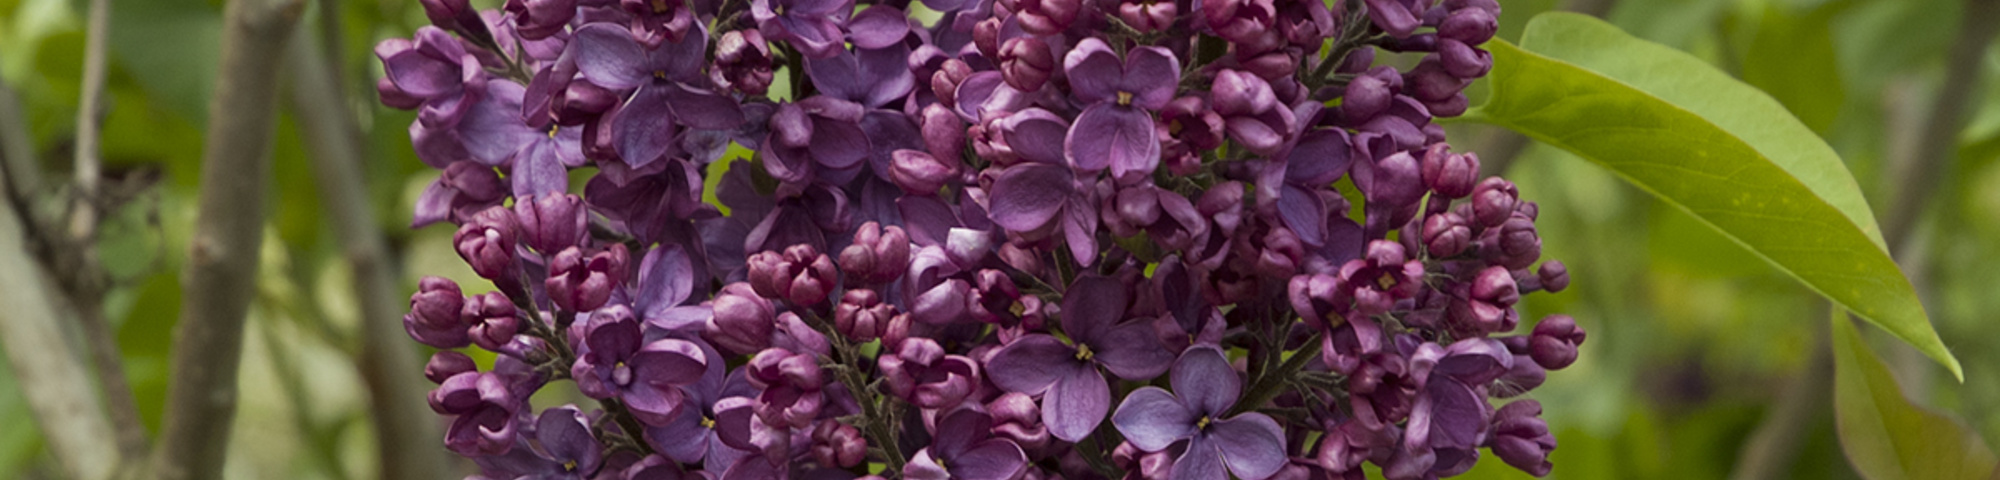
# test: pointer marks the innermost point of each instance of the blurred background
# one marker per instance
(1702, 360)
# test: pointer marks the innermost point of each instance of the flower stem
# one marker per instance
(878, 413)
(1274, 380)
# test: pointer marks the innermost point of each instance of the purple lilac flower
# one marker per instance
(963, 448)
(1074, 394)
(1250, 445)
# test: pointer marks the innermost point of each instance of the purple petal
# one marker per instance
(539, 170)
(1151, 75)
(679, 61)
(683, 440)
(923, 467)
(1036, 135)
(421, 75)
(1074, 406)
(703, 109)
(732, 421)
(1303, 212)
(837, 144)
(1132, 351)
(1153, 419)
(993, 459)
(1475, 361)
(888, 72)
(1094, 71)
(665, 280)
(1201, 461)
(1107, 134)
(958, 430)
(566, 437)
(492, 130)
(609, 57)
(643, 129)
(1256, 136)
(927, 219)
(1026, 196)
(1252, 444)
(1080, 229)
(668, 362)
(1320, 157)
(1458, 416)
(1205, 381)
(878, 26)
(1031, 364)
(1090, 307)
(434, 205)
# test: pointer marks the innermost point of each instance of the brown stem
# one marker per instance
(220, 277)
(406, 433)
(83, 272)
(52, 378)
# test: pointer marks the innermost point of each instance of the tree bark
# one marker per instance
(221, 271)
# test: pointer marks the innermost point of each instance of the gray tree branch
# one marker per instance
(81, 267)
(52, 378)
(406, 430)
(219, 281)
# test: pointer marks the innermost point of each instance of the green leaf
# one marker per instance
(1713, 146)
(1885, 436)
(1793, 58)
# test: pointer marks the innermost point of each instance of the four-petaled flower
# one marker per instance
(1250, 445)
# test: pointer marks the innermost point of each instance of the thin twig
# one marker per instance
(84, 272)
(406, 432)
(223, 255)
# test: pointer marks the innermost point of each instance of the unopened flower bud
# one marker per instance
(1025, 63)
(1521, 438)
(838, 444)
(1495, 285)
(742, 322)
(1015, 417)
(742, 61)
(447, 363)
(945, 82)
(1148, 15)
(434, 314)
(1446, 235)
(919, 173)
(1472, 26)
(582, 102)
(1398, 181)
(487, 241)
(1450, 175)
(551, 223)
(862, 316)
(944, 133)
(578, 283)
(1240, 93)
(493, 320)
(986, 38)
(1493, 201)
(1515, 244)
(1554, 276)
(1463, 61)
(1553, 344)
(1044, 17)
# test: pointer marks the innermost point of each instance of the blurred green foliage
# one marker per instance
(1689, 334)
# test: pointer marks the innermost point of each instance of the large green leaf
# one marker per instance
(1713, 146)
(1885, 436)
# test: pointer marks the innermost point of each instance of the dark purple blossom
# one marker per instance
(1074, 394)
(963, 448)
(1250, 445)
(646, 377)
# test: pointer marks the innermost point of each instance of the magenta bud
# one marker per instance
(1238, 93)
(1398, 181)
(446, 363)
(394, 97)
(434, 314)
(1495, 285)
(1521, 438)
(1554, 276)
(986, 38)
(580, 284)
(1449, 174)
(582, 101)
(1463, 61)
(742, 61)
(742, 322)
(1524, 376)
(768, 274)
(1515, 244)
(838, 444)
(486, 242)
(1189, 120)
(551, 223)
(1430, 82)
(919, 173)
(944, 132)
(1148, 15)
(493, 320)
(878, 255)
(1493, 201)
(1471, 26)
(1044, 17)
(1025, 63)
(1446, 235)
(539, 19)
(862, 316)
(1553, 344)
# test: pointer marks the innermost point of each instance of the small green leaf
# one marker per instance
(1885, 436)
(1713, 146)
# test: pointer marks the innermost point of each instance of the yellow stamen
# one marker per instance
(1083, 352)
(1203, 423)
(1124, 98)
(552, 130)
(569, 466)
(707, 422)
(659, 6)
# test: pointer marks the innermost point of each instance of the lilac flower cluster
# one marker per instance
(980, 239)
